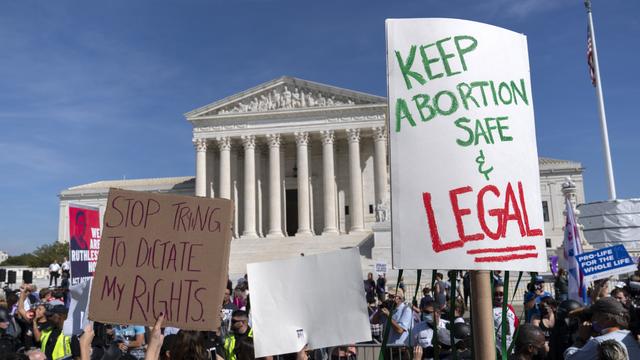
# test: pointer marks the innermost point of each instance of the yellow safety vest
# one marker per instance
(62, 348)
(230, 344)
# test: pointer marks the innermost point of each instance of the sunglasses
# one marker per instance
(233, 321)
(499, 294)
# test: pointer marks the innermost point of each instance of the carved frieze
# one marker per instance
(286, 97)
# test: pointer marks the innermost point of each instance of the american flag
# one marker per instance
(592, 69)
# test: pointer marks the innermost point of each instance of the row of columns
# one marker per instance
(302, 158)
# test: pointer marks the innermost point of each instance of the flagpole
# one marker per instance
(603, 117)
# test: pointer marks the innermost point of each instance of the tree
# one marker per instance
(41, 257)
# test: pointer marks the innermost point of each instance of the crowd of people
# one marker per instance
(435, 324)
(550, 326)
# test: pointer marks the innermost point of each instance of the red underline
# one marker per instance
(507, 249)
(506, 257)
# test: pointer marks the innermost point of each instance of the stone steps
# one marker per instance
(245, 251)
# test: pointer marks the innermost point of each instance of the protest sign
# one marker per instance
(605, 262)
(162, 254)
(77, 317)
(317, 299)
(465, 189)
(381, 268)
(84, 242)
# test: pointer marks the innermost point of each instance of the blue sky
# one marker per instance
(94, 90)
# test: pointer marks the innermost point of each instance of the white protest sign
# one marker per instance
(465, 185)
(317, 299)
(381, 268)
(77, 317)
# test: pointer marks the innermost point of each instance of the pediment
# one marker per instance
(285, 94)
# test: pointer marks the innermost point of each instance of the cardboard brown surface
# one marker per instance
(162, 253)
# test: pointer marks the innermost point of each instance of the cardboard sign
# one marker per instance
(602, 263)
(465, 185)
(84, 242)
(381, 268)
(317, 299)
(162, 253)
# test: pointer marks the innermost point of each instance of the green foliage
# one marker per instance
(41, 257)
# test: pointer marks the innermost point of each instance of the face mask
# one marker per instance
(427, 317)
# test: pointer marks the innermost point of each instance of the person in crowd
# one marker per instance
(426, 298)
(239, 296)
(561, 285)
(130, 339)
(239, 342)
(66, 267)
(512, 319)
(530, 344)
(612, 350)
(466, 284)
(533, 297)
(609, 321)
(54, 344)
(376, 328)
(45, 295)
(381, 286)
(54, 273)
(400, 315)
(599, 290)
(497, 277)
(440, 291)
(563, 334)
(547, 318)
(9, 331)
(228, 307)
(189, 345)
(621, 295)
(370, 288)
(423, 332)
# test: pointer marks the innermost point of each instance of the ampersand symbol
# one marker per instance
(480, 160)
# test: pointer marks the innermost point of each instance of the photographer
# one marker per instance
(533, 297)
(400, 315)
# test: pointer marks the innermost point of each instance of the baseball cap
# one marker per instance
(55, 307)
(539, 279)
(607, 305)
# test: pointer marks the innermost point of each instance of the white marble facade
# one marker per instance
(300, 158)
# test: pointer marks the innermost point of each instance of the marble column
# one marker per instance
(211, 171)
(329, 185)
(249, 144)
(201, 166)
(224, 144)
(302, 142)
(380, 155)
(275, 223)
(355, 179)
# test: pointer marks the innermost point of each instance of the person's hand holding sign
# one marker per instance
(156, 339)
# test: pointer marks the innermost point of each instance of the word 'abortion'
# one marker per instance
(513, 209)
(137, 213)
(442, 59)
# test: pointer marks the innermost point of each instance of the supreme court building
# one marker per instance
(306, 165)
